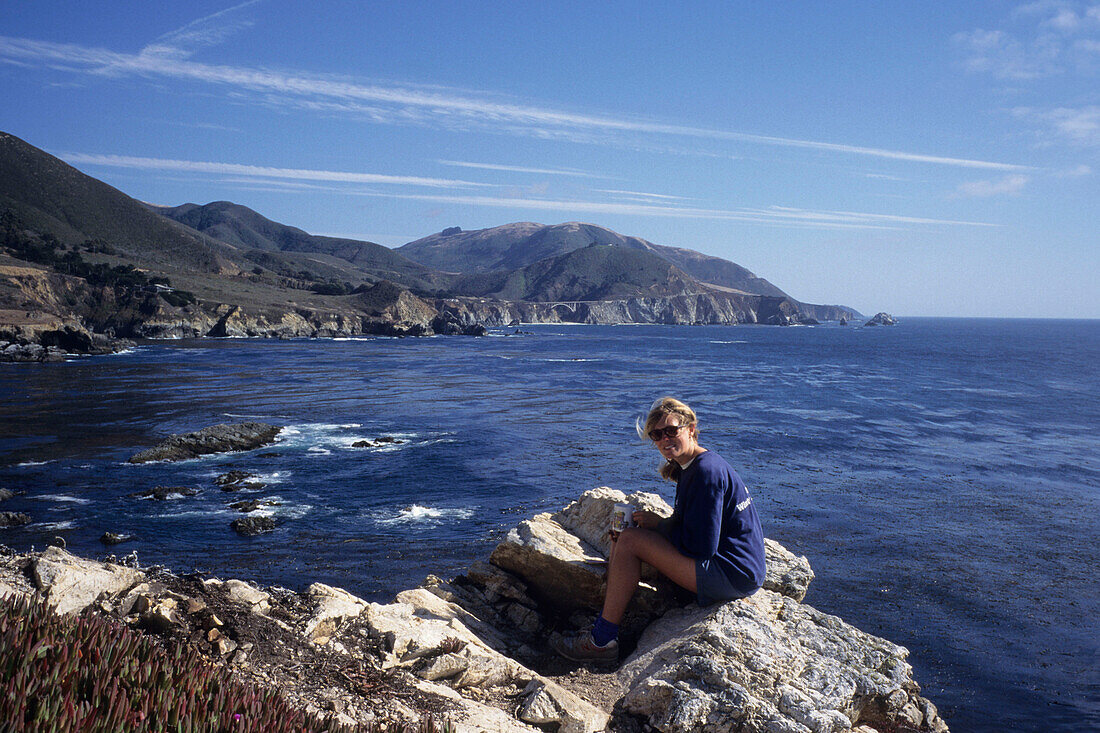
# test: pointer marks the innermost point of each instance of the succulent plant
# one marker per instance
(62, 674)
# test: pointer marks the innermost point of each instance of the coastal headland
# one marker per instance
(83, 265)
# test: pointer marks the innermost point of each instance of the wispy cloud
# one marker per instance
(209, 30)
(440, 106)
(1008, 186)
(255, 171)
(773, 216)
(1044, 39)
(1077, 125)
(653, 205)
(643, 194)
(520, 169)
(1077, 171)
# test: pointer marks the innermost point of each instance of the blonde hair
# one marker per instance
(668, 406)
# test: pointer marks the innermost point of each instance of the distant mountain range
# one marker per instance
(78, 251)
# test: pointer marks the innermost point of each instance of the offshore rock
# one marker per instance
(165, 493)
(253, 526)
(13, 519)
(882, 319)
(214, 439)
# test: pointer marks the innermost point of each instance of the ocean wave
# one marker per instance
(224, 512)
(27, 464)
(282, 510)
(417, 514)
(53, 525)
(65, 499)
(567, 360)
(729, 342)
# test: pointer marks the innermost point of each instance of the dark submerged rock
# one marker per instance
(221, 438)
(252, 526)
(164, 493)
(236, 480)
(251, 505)
(13, 519)
(110, 538)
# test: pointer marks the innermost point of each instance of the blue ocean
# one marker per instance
(942, 475)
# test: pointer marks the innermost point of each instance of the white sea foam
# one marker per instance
(200, 513)
(62, 498)
(575, 359)
(282, 509)
(416, 513)
(319, 450)
(26, 464)
(53, 525)
(729, 342)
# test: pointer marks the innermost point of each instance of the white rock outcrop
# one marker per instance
(71, 583)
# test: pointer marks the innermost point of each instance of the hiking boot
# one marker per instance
(581, 648)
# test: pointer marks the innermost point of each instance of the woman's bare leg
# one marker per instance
(636, 545)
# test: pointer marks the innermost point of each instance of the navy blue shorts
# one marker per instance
(712, 585)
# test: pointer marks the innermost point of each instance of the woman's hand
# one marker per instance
(646, 520)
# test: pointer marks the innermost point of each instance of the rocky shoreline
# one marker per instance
(474, 650)
(99, 320)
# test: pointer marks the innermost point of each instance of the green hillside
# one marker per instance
(48, 195)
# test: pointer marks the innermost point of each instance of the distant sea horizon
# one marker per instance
(941, 475)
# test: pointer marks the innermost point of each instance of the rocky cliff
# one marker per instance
(474, 650)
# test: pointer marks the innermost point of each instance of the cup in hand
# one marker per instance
(622, 516)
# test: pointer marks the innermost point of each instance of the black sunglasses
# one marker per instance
(669, 431)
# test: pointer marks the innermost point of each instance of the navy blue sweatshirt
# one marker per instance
(714, 517)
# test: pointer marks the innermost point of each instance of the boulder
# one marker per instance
(110, 538)
(768, 664)
(561, 556)
(71, 583)
(441, 641)
(236, 480)
(247, 594)
(164, 493)
(252, 526)
(331, 607)
(250, 505)
(13, 519)
(6, 494)
(214, 439)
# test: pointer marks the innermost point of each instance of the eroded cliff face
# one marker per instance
(710, 308)
(384, 309)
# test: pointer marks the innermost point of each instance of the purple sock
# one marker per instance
(603, 631)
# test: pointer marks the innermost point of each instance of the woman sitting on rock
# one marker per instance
(712, 545)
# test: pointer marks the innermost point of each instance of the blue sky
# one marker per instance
(935, 158)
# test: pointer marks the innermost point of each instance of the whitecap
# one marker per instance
(319, 450)
(53, 525)
(196, 513)
(729, 342)
(415, 513)
(25, 464)
(64, 499)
